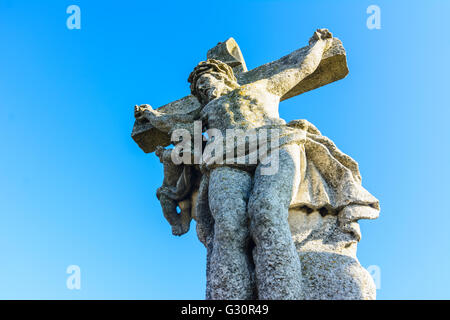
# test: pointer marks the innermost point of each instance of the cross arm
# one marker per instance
(332, 67)
(154, 130)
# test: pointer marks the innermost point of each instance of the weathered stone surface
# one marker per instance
(332, 67)
(230, 53)
(330, 269)
(148, 135)
(288, 233)
(174, 193)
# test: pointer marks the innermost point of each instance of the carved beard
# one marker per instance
(212, 93)
(208, 95)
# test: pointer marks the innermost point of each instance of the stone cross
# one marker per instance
(333, 67)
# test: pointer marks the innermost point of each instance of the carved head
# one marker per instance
(211, 79)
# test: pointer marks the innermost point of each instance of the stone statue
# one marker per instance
(174, 193)
(278, 219)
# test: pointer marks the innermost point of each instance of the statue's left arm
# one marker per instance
(281, 76)
(298, 66)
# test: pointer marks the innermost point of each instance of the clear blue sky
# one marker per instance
(76, 189)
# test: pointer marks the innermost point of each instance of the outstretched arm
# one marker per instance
(299, 65)
(162, 121)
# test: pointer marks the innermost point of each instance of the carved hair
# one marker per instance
(208, 66)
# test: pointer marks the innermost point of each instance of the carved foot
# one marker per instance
(180, 229)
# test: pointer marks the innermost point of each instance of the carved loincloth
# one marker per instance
(330, 181)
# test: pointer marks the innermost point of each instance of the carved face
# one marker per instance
(212, 85)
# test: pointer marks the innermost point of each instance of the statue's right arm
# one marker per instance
(162, 121)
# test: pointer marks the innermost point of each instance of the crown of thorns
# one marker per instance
(210, 65)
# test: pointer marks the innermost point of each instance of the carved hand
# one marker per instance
(139, 111)
(320, 34)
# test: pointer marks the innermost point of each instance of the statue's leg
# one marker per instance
(230, 271)
(277, 265)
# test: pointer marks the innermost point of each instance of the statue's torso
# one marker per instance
(247, 107)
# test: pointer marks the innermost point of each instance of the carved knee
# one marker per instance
(268, 217)
(265, 210)
(230, 229)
